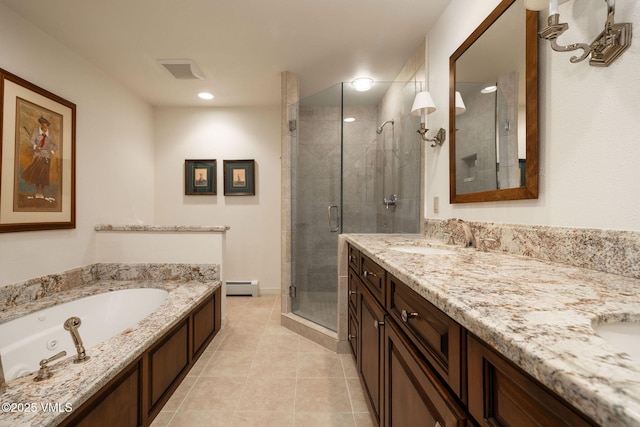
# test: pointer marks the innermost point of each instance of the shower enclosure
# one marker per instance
(356, 161)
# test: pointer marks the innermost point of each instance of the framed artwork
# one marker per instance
(200, 177)
(239, 178)
(37, 157)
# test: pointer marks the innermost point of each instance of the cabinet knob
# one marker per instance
(352, 258)
(406, 315)
(376, 323)
(352, 292)
(366, 273)
(351, 337)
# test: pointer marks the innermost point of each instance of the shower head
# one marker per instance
(379, 130)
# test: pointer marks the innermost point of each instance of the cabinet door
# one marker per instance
(414, 394)
(370, 339)
(502, 395)
(118, 404)
(353, 289)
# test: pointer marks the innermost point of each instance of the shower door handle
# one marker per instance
(330, 209)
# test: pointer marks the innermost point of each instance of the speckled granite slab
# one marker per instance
(536, 313)
(611, 251)
(21, 293)
(164, 228)
(73, 384)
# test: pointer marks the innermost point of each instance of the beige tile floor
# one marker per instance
(258, 373)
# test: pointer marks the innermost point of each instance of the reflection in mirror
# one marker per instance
(493, 152)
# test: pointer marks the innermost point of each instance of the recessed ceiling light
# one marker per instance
(205, 95)
(362, 84)
(349, 119)
(489, 89)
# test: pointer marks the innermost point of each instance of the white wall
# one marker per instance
(253, 242)
(114, 152)
(589, 117)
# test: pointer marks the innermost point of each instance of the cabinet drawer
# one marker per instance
(501, 395)
(414, 394)
(373, 276)
(353, 257)
(437, 336)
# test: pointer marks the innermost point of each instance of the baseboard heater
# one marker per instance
(242, 287)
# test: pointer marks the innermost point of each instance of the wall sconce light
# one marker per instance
(605, 49)
(423, 105)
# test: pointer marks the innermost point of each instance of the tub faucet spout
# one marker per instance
(71, 325)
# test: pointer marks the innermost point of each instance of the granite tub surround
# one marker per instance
(19, 298)
(164, 228)
(536, 313)
(73, 384)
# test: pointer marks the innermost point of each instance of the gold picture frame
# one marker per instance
(37, 157)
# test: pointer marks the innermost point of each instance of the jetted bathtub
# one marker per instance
(25, 341)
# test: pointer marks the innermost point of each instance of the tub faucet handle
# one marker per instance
(44, 372)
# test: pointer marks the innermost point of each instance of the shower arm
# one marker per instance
(379, 129)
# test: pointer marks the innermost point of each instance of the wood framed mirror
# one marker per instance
(493, 150)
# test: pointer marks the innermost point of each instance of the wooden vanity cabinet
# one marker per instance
(501, 395)
(421, 368)
(401, 386)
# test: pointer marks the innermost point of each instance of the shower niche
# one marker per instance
(356, 168)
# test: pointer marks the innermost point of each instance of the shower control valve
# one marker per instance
(393, 201)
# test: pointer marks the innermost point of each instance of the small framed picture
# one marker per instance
(239, 178)
(199, 177)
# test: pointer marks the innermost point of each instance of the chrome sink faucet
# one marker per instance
(470, 240)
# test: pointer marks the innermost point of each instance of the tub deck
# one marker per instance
(47, 403)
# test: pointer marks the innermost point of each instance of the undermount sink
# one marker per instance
(624, 336)
(423, 250)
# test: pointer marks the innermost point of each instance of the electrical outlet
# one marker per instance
(436, 204)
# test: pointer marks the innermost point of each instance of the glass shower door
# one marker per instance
(316, 206)
(350, 151)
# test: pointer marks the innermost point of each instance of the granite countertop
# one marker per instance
(537, 314)
(164, 228)
(73, 384)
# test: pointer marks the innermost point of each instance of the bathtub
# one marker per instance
(25, 341)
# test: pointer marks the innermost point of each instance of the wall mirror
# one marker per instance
(493, 153)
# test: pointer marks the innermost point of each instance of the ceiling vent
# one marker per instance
(182, 69)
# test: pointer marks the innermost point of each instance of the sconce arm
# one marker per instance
(605, 49)
(554, 30)
(437, 140)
